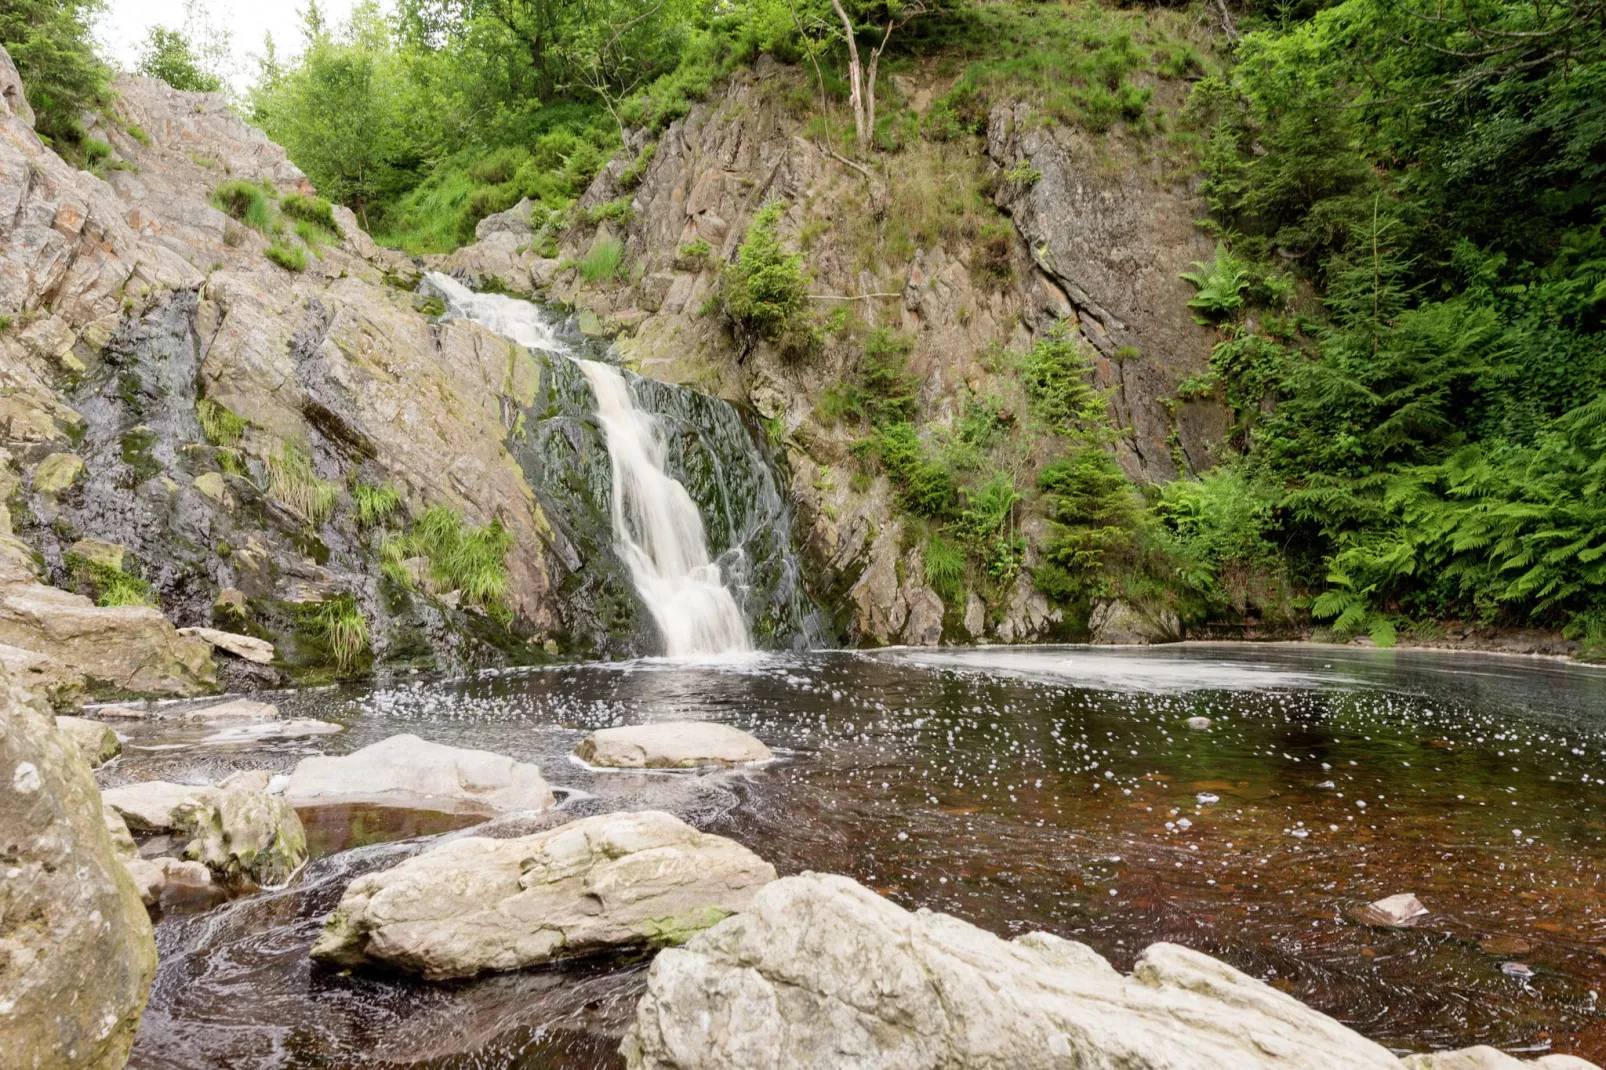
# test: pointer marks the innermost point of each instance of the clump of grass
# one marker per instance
(112, 586)
(289, 257)
(464, 558)
(220, 425)
(604, 262)
(138, 133)
(315, 210)
(292, 481)
(315, 236)
(247, 202)
(344, 630)
(375, 502)
(944, 567)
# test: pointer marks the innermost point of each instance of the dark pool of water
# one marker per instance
(1055, 789)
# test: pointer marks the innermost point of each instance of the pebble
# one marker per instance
(1199, 722)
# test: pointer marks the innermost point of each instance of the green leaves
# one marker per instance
(1221, 287)
(765, 292)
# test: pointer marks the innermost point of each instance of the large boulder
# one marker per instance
(95, 739)
(671, 745)
(244, 837)
(819, 971)
(410, 773)
(117, 648)
(76, 951)
(60, 685)
(1117, 623)
(602, 883)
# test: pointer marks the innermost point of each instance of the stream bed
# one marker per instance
(1016, 788)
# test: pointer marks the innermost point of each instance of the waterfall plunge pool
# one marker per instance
(1017, 788)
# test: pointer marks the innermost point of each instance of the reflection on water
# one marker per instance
(1056, 789)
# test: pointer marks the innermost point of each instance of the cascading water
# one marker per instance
(657, 528)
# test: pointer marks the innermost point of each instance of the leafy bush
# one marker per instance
(50, 42)
(169, 55)
(880, 387)
(1221, 287)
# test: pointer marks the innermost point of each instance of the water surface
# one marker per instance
(1019, 789)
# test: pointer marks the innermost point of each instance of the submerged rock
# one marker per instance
(240, 709)
(75, 943)
(95, 740)
(241, 646)
(1395, 912)
(167, 882)
(602, 883)
(1484, 1057)
(819, 971)
(407, 772)
(671, 745)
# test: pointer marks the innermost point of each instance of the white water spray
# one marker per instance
(657, 529)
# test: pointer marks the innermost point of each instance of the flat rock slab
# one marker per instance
(819, 971)
(603, 883)
(96, 741)
(1487, 1058)
(248, 647)
(410, 773)
(1396, 912)
(295, 728)
(240, 709)
(671, 745)
(149, 805)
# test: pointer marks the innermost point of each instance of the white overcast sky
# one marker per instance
(124, 27)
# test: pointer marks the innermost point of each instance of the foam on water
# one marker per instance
(1110, 671)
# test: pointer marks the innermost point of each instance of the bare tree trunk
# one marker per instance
(856, 99)
(869, 86)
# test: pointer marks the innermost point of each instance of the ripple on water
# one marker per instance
(1057, 789)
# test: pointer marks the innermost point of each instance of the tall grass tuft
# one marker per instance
(604, 262)
(292, 481)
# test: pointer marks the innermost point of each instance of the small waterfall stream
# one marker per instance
(657, 528)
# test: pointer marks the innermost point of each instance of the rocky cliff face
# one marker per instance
(1097, 238)
(181, 409)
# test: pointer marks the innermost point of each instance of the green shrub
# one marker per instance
(880, 388)
(1056, 374)
(695, 250)
(603, 262)
(289, 257)
(765, 291)
(1095, 511)
(292, 481)
(1221, 287)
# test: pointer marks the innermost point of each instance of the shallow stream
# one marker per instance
(1019, 789)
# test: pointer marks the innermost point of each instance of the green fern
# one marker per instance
(1221, 287)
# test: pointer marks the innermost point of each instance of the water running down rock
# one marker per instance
(657, 527)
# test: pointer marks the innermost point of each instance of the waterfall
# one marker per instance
(657, 529)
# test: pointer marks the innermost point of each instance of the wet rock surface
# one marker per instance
(674, 745)
(599, 884)
(820, 971)
(406, 772)
(74, 938)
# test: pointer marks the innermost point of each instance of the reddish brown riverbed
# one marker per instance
(1045, 789)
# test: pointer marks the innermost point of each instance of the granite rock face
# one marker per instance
(599, 884)
(75, 942)
(819, 971)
